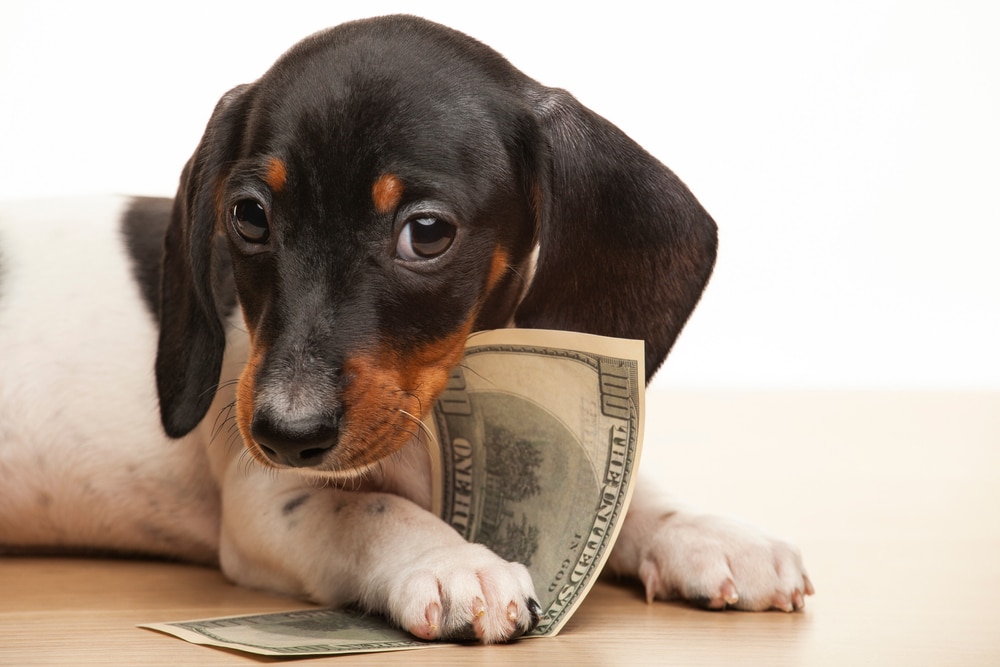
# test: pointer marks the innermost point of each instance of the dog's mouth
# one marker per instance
(378, 412)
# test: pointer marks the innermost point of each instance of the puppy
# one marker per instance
(387, 188)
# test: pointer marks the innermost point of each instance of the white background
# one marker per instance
(850, 151)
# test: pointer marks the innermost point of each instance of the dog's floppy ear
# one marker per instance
(624, 247)
(195, 263)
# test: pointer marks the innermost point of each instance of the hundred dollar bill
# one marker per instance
(533, 445)
(539, 435)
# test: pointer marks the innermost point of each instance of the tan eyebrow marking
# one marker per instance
(386, 193)
(276, 174)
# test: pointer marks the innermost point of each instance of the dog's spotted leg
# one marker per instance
(710, 561)
(379, 551)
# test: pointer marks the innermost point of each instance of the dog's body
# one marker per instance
(387, 188)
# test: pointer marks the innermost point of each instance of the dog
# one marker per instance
(388, 187)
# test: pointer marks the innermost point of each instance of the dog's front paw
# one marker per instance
(715, 562)
(464, 592)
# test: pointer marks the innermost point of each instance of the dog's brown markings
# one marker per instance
(245, 390)
(388, 389)
(386, 193)
(276, 174)
(498, 268)
(386, 385)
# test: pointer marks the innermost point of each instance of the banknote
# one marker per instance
(539, 435)
(534, 446)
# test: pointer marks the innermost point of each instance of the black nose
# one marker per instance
(300, 442)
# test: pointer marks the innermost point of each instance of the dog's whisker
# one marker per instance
(234, 440)
(514, 270)
(479, 375)
(210, 391)
(412, 424)
(421, 428)
(226, 434)
(225, 415)
(246, 461)
(420, 403)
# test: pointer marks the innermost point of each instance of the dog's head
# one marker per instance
(388, 187)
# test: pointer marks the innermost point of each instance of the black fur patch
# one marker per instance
(143, 227)
(294, 504)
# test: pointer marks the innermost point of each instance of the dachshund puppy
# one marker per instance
(387, 188)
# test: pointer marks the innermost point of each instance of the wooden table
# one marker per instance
(893, 497)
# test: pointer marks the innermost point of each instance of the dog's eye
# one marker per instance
(250, 221)
(424, 237)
